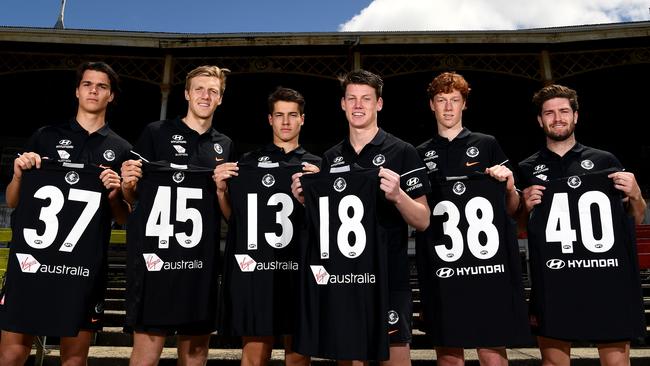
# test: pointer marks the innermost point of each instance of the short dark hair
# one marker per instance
(286, 95)
(362, 77)
(446, 83)
(555, 91)
(101, 67)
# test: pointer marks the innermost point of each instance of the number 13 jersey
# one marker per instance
(585, 277)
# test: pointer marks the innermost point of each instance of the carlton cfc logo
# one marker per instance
(109, 155)
(339, 184)
(458, 188)
(574, 182)
(218, 149)
(393, 317)
(587, 164)
(72, 178)
(472, 152)
(379, 159)
(178, 177)
(268, 180)
(555, 264)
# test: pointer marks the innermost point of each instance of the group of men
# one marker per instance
(316, 250)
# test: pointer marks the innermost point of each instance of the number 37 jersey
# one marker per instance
(60, 234)
(585, 278)
(173, 246)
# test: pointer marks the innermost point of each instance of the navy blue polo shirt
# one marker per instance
(174, 142)
(272, 153)
(69, 142)
(546, 165)
(467, 153)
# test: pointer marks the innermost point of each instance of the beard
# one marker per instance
(562, 135)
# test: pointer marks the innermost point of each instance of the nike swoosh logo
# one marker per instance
(93, 320)
(217, 159)
(471, 164)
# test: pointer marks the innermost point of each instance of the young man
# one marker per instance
(52, 151)
(191, 141)
(579, 257)
(369, 146)
(450, 319)
(259, 304)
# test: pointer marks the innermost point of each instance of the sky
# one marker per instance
(241, 16)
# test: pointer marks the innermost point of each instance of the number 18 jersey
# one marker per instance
(343, 270)
(585, 276)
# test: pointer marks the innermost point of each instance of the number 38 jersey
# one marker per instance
(585, 277)
(262, 251)
(343, 286)
(173, 247)
(57, 256)
(470, 251)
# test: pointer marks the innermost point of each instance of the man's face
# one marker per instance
(94, 92)
(286, 121)
(203, 96)
(558, 119)
(361, 105)
(448, 108)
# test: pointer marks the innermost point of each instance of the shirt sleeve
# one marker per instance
(413, 177)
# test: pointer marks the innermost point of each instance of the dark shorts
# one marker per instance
(192, 329)
(94, 319)
(400, 317)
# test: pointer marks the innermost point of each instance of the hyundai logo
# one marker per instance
(555, 264)
(445, 272)
(412, 181)
(177, 137)
(65, 142)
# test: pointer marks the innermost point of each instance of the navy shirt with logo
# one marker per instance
(467, 153)
(272, 153)
(388, 151)
(546, 165)
(69, 142)
(175, 142)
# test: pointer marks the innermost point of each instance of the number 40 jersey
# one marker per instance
(585, 276)
(55, 274)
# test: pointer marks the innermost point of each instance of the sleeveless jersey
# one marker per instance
(173, 247)
(469, 267)
(261, 258)
(343, 288)
(585, 276)
(57, 258)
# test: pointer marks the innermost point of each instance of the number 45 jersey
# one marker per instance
(343, 271)
(261, 264)
(173, 247)
(469, 267)
(55, 275)
(585, 276)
